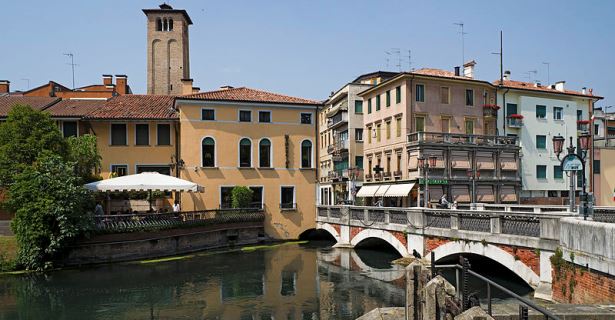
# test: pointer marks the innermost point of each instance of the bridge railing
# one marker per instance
(604, 214)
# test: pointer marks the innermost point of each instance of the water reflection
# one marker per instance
(308, 281)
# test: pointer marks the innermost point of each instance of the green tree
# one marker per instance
(83, 152)
(23, 136)
(50, 206)
(241, 197)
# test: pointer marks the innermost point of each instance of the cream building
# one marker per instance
(246, 137)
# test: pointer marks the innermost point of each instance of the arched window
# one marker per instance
(170, 25)
(165, 24)
(245, 153)
(306, 154)
(158, 24)
(209, 152)
(264, 153)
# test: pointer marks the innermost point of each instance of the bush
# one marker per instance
(50, 207)
(241, 197)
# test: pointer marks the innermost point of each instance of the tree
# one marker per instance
(83, 152)
(50, 206)
(25, 134)
(241, 197)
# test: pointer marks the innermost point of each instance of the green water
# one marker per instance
(293, 281)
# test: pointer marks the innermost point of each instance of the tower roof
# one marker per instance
(165, 8)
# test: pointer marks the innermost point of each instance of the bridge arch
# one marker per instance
(325, 227)
(383, 235)
(492, 252)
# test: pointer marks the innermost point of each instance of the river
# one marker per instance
(288, 281)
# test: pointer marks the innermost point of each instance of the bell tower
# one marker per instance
(167, 49)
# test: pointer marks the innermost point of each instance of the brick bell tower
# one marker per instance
(167, 49)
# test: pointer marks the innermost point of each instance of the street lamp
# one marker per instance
(473, 174)
(425, 165)
(568, 164)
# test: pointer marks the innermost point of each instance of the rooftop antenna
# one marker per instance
(27, 81)
(463, 59)
(501, 54)
(72, 64)
(397, 51)
(548, 72)
(529, 74)
(409, 60)
(388, 57)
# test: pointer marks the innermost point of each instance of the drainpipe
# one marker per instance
(504, 112)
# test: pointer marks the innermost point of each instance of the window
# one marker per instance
(369, 166)
(358, 162)
(306, 154)
(469, 97)
(245, 116)
(257, 197)
(226, 200)
(511, 108)
(388, 127)
(389, 164)
(358, 134)
(170, 25)
(306, 118)
(579, 114)
(287, 198)
(164, 134)
(245, 153)
(541, 112)
(142, 134)
(399, 162)
(264, 153)
(398, 94)
(596, 129)
(388, 98)
(398, 127)
(208, 152)
(446, 125)
(558, 113)
(541, 172)
(208, 114)
(419, 124)
(118, 134)
(420, 93)
(469, 126)
(119, 170)
(264, 116)
(158, 24)
(369, 105)
(541, 142)
(69, 129)
(557, 172)
(378, 132)
(358, 106)
(596, 167)
(377, 102)
(444, 95)
(369, 134)
(152, 168)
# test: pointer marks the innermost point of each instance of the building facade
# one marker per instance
(341, 139)
(603, 165)
(535, 113)
(105, 90)
(431, 112)
(264, 141)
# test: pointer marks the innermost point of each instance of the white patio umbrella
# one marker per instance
(147, 181)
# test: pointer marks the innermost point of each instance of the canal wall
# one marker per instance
(145, 245)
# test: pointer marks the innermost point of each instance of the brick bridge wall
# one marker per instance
(576, 284)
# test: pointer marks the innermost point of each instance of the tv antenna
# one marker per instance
(409, 60)
(27, 81)
(388, 57)
(463, 59)
(397, 51)
(72, 64)
(548, 72)
(501, 54)
(529, 74)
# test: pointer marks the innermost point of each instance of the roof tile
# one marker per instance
(530, 86)
(75, 108)
(37, 103)
(248, 95)
(134, 106)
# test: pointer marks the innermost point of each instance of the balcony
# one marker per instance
(368, 177)
(387, 175)
(342, 145)
(331, 148)
(583, 125)
(342, 106)
(459, 139)
(377, 176)
(337, 120)
(490, 110)
(514, 121)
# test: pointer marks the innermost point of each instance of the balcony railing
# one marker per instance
(397, 174)
(457, 138)
(583, 125)
(514, 121)
(338, 119)
(368, 177)
(330, 148)
(490, 110)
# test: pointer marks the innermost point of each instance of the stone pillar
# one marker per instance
(496, 225)
(454, 221)
(544, 290)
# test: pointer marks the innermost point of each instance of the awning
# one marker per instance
(382, 190)
(399, 190)
(147, 181)
(368, 190)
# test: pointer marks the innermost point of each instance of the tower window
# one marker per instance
(165, 24)
(170, 25)
(158, 24)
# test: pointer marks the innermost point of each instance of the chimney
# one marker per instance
(107, 79)
(506, 75)
(468, 69)
(226, 87)
(121, 84)
(5, 86)
(583, 90)
(186, 86)
(537, 84)
(196, 89)
(457, 71)
(559, 86)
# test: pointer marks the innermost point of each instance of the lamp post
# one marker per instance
(473, 174)
(425, 165)
(571, 162)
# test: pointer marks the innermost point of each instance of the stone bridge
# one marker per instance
(520, 238)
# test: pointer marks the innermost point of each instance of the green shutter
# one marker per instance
(541, 142)
(541, 112)
(557, 172)
(358, 162)
(388, 98)
(377, 102)
(369, 105)
(358, 106)
(541, 172)
(398, 95)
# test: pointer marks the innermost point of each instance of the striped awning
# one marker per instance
(382, 190)
(399, 190)
(368, 190)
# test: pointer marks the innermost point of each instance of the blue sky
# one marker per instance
(310, 48)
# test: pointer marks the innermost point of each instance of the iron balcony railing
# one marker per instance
(459, 138)
(514, 122)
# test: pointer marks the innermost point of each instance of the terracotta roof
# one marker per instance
(439, 73)
(75, 108)
(248, 95)
(136, 107)
(530, 86)
(37, 103)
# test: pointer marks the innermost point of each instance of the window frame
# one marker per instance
(561, 113)
(270, 153)
(537, 171)
(378, 102)
(208, 109)
(123, 165)
(388, 98)
(220, 194)
(419, 95)
(294, 203)
(448, 94)
(358, 132)
(265, 112)
(239, 154)
(544, 113)
(215, 165)
(471, 96)
(240, 111)
(76, 122)
(311, 166)
(358, 103)
(158, 134)
(387, 127)
(369, 106)
(311, 114)
(125, 134)
(136, 135)
(398, 94)
(545, 142)
(398, 123)
(560, 171)
(416, 117)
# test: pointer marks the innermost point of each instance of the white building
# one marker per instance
(536, 113)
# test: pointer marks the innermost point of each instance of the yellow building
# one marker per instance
(246, 137)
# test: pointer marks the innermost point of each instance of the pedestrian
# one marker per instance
(98, 210)
(176, 206)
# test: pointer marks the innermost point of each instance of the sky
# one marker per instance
(311, 48)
